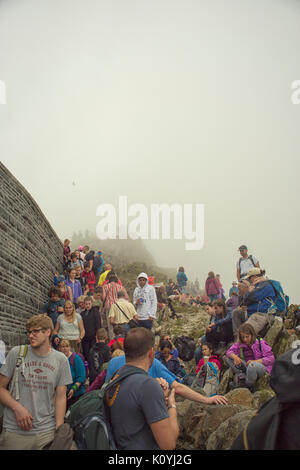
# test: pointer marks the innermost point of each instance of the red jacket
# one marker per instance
(90, 277)
(213, 358)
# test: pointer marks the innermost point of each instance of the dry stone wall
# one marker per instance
(30, 252)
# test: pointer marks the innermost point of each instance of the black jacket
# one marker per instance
(99, 354)
(91, 321)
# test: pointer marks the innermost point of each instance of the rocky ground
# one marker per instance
(215, 427)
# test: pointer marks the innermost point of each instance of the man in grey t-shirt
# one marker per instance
(35, 404)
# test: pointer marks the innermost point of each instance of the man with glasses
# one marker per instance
(35, 402)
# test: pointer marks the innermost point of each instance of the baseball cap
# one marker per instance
(243, 247)
(253, 272)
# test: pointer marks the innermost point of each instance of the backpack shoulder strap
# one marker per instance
(19, 362)
(251, 259)
(259, 343)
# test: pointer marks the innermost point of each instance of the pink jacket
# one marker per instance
(212, 286)
(254, 352)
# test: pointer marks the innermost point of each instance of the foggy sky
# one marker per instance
(164, 101)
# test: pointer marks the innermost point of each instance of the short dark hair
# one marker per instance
(54, 291)
(165, 344)
(118, 330)
(137, 343)
(101, 334)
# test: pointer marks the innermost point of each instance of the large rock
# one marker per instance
(240, 396)
(284, 343)
(223, 386)
(261, 397)
(209, 422)
(227, 432)
(274, 332)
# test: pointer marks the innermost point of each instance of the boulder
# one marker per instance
(262, 383)
(227, 432)
(261, 397)
(223, 386)
(210, 421)
(274, 332)
(285, 343)
(240, 396)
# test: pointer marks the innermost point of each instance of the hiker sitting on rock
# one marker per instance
(208, 356)
(250, 357)
(174, 351)
(165, 356)
(258, 299)
(220, 331)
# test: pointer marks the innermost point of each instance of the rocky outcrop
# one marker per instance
(215, 427)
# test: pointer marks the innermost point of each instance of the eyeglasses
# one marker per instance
(35, 331)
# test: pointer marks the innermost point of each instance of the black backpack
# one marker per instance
(265, 431)
(89, 416)
(186, 347)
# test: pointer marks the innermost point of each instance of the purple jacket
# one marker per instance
(212, 286)
(253, 352)
(75, 288)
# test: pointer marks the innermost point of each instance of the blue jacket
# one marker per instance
(181, 278)
(157, 369)
(257, 300)
(173, 365)
(78, 374)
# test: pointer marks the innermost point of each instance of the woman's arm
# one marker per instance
(70, 293)
(81, 329)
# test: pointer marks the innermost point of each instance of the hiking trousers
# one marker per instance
(14, 441)
(253, 371)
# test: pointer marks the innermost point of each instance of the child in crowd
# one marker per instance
(118, 335)
(77, 388)
(174, 351)
(250, 357)
(55, 304)
(78, 277)
(89, 275)
(169, 361)
(208, 370)
(208, 356)
(99, 354)
(65, 291)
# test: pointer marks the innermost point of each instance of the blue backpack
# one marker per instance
(281, 303)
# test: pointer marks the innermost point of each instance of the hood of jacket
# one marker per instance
(137, 280)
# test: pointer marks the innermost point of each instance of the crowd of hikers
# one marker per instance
(90, 336)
